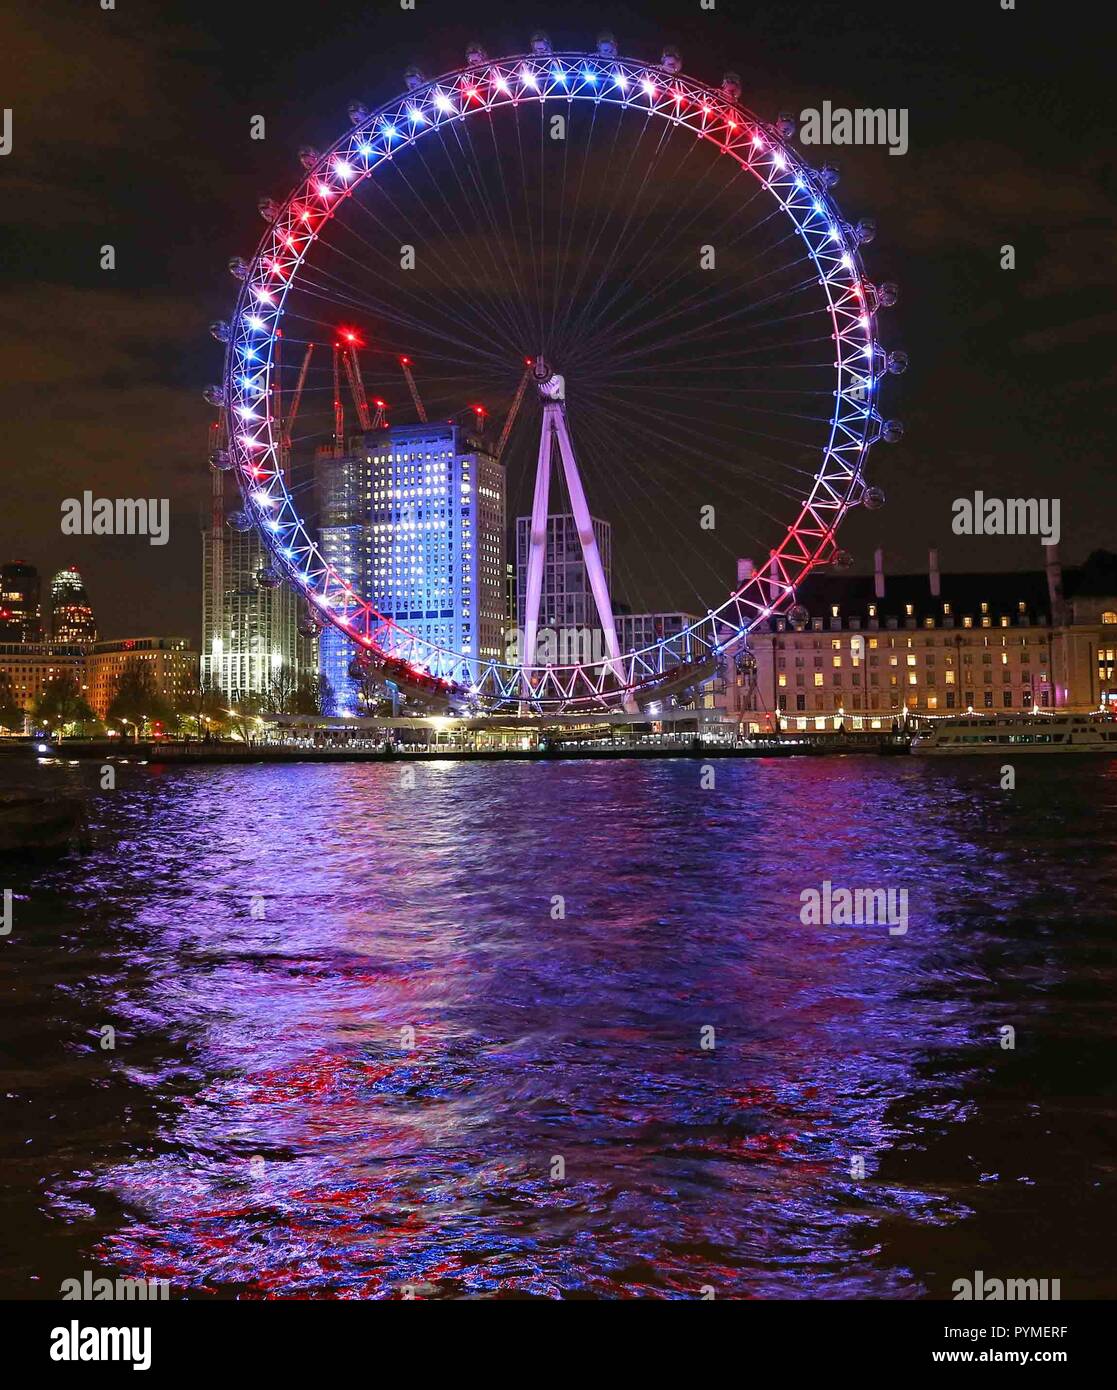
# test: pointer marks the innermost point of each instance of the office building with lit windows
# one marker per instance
(169, 661)
(249, 626)
(71, 615)
(30, 667)
(20, 612)
(436, 536)
(879, 648)
(637, 631)
(566, 600)
(344, 500)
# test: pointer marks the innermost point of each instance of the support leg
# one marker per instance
(537, 552)
(590, 553)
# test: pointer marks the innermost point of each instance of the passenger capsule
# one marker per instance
(220, 330)
(239, 521)
(238, 266)
(893, 431)
(606, 45)
(786, 124)
(358, 112)
(731, 86)
(898, 363)
(873, 498)
(215, 395)
(540, 43)
(475, 53)
(671, 61)
(413, 79)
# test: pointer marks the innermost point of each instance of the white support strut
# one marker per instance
(552, 391)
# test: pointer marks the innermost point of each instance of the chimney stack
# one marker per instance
(878, 572)
(933, 566)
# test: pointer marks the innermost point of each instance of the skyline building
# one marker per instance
(437, 547)
(169, 660)
(636, 631)
(71, 614)
(566, 599)
(96, 667)
(30, 667)
(342, 485)
(20, 609)
(249, 627)
(875, 648)
(413, 519)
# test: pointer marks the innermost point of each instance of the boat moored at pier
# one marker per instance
(1019, 733)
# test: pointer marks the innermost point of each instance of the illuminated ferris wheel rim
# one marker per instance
(377, 137)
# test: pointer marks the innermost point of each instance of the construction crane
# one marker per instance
(356, 385)
(284, 423)
(514, 410)
(298, 395)
(405, 363)
(339, 409)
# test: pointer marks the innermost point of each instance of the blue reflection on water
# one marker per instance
(292, 1142)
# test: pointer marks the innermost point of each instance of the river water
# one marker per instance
(559, 1030)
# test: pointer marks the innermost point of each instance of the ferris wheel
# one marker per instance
(658, 292)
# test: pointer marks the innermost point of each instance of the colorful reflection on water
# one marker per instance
(264, 940)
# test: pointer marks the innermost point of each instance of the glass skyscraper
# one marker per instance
(71, 617)
(425, 544)
(249, 632)
(343, 536)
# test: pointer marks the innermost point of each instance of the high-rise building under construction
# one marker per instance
(249, 615)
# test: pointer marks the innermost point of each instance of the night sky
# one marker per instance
(131, 127)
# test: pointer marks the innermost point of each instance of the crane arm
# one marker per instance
(420, 410)
(339, 408)
(298, 394)
(357, 386)
(514, 410)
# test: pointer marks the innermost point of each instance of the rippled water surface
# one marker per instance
(263, 938)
